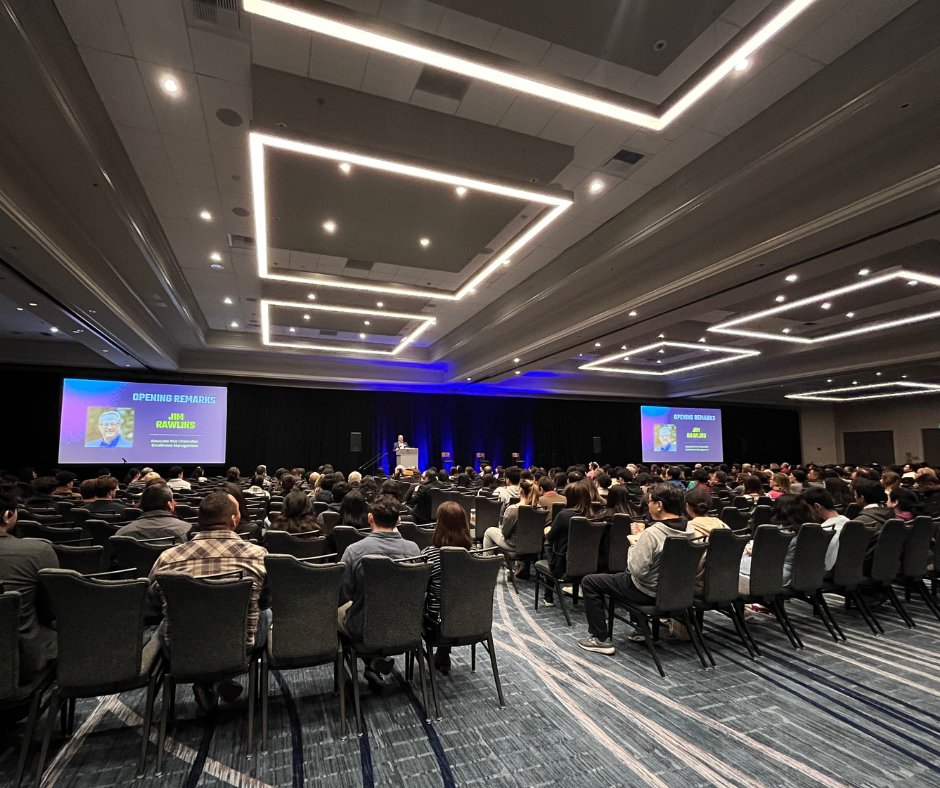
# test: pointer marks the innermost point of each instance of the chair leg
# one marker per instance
(561, 601)
(777, 609)
(424, 688)
(340, 671)
(432, 672)
(71, 716)
(921, 587)
(695, 632)
(828, 612)
(252, 695)
(538, 586)
(648, 637)
(867, 613)
(738, 622)
(354, 671)
(491, 648)
(265, 675)
(28, 735)
(473, 657)
(169, 690)
(51, 713)
(815, 601)
(892, 595)
(152, 685)
(739, 609)
(786, 618)
(575, 591)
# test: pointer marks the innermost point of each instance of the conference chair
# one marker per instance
(29, 529)
(917, 556)
(103, 647)
(735, 519)
(304, 598)
(618, 543)
(487, 516)
(423, 537)
(584, 540)
(100, 532)
(64, 510)
(556, 508)
(530, 535)
(343, 536)
(678, 566)
(138, 555)
(393, 615)
(438, 496)
(80, 556)
(807, 576)
(330, 521)
(320, 506)
(206, 618)
(879, 579)
(303, 545)
(761, 515)
(468, 583)
(768, 552)
(852, 510)
(848, 573)
(14, 692)
(186, 510)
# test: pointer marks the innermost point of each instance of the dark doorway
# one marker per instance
(865, 448)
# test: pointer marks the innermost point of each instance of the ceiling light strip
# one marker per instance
(733, 354)
(824, 395)
(507, 79)
(347, 284)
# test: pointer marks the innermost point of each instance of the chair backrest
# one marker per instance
(530, 530)
(112, 611)
(393, 604)
(131, 513)
(620, 527)
(29, 529)
(852, 510)
(320, 506)
(80, 514)
(9, 643)
(557, 507)
(206, 623)
(888, 551)
(297, 545)
(467, 586)
(767, 556)
(46, 516)
(734, 518)
(487, 515)
(764, 500)
(304, 598)
(584, 541)
(423, 537)
(330, 521)
(100, 531)
(762, 515)
(64, 509)
(917, 548)
(722, 565)
(809, 557)
(438, 496)
(854, 538)
(137, 554)
(343, 536)
(184, 510)
(83, 559)
(678, 567)
(742, 502)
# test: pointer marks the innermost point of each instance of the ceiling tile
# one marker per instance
(437, 103)
(528, 115)
(157, 32)
(96, 25)
(180, 114)
(413, 13)
(519, 46)
(568, 62)
(467, 29)
(121, 88)
(741, 12)
(485, 103)
(221, 56)
(147, 153)
(219, 94)
(279, 46)
(231, 167)
(337, 62)
(191, 161)
(692, 144)
(164, 197)
(567, 126)
(613, 76)
(390, 76)
(600, 143)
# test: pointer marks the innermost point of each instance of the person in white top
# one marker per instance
(175, 480)
(824, 509)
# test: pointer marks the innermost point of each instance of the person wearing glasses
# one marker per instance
(640, 582)
(109, 425)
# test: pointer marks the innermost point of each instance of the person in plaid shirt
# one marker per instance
(215, 549)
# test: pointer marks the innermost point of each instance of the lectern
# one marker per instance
(407, 458)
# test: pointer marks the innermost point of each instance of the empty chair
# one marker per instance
(28, 529)
(734, 518)
(303, 545)
(807, 579)
(138, 554)
(102, 646)
(304, 598)
(438, 496)
(206, 622)
(45, 517)
(393, 605)
(85, 559)
(13, 691)
(917, 556)
(422, 537)
(852, 510)
(343, 536)
(848, 573)
(330, 521)
(487, 516)
(678, 566)
(100, 532)
(468, 581)
(617, 544)
(584, 539)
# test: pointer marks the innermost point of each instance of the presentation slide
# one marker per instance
(107, 421)
(680, 435)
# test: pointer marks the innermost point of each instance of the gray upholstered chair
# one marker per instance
(138, 554)
(768, 553)
(330, 520)
(29, 529)
(618, 542)
(487, 516)
(103, 648)
(916, 561)
(889, 548)
(808, 576)
(83, 558)
(343, 536)
(584, 541)
(302, 545)
(415, 533)
(304, 598)
(849, 571)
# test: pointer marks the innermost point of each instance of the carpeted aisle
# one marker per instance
(861, 713)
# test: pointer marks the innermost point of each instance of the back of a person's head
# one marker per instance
(670, 496)
(257, 481)
(354, 477)
(618, 498)
(44, 485)
(573, 477)
(176, 470)
(64, 477)
(104, 485)
(869, 491)
(353, 508)
(295, 504)
(905, 500)
(514, 474)
(430, 476)
(391, 487)
(602, 480)
(287, 483)
(578, 497)
(261, 470)
(232, 474)
(699, 501)
(546, 484)
(384, 510)
(673, 473)
(340, 490)
(701, 477)
(87, 488)
(215, 511)
(752, 484)
(452, 528)
(153, 478)
(818, 495)
(156, 497)
(791, 510)
(9, 498)
(235, 491)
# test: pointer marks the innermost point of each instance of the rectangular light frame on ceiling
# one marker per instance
(732, 354)
(258, 141)
(504, 78)
(733, 327)
(425, 323)
(823, 394)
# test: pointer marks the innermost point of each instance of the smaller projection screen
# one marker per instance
(672, 435)
(107, 421)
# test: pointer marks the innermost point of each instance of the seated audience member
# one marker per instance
(504, 535)
(871, 496)
(369, 488)
(246, 527)
(354, 479)
(797, 481)
(158, 519)
(262, 472)
(42, 497)
(216, 549)
(751, 488)
(87, 492)
(325, 491)
(340, 490)
(510, 488)
(452, 529)
(151, 477)
(840, 491)
(779, 485)
(890, 480)
(698, 501)
(824, 512)
(233, 474)
(392, 487)
(790, 512)
(488, 485)
(578, 504)
(257, 488)
(904, 503)
(313, 483)
(175, 480)
(65, 487)
(549, 497)
(383, 540)
(354, 510)
(420, 499)
(699, 479)
(285, 484)
(133, 479)
(618, 502)
(674, 477)
(602, 484)
(198, 475)
(106, 488)
(640, 582)
(20, 562)
(297, 516)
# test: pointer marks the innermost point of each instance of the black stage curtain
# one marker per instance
(289, 427)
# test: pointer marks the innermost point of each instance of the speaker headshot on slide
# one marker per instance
(400, 443)
(109, 428)
(664, 437)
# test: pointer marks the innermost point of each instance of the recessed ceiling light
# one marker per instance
(597, 344)
(330, 226)
(33, 303)
(580, 355)
(461, 191)
(507, 261)
(127, 365)
(661, 351)
(623, 347)
(662, 336)
(659, 360)
(854, 382)
(632, 313)
(515, 361)
(877, 374)
(170, 85)
(205, 215)
(306, 317)
(518, 371)
(826, 305)
(104, 350)
(850, 314)
(596, 186)
(234, 324)
(53, 329)
(701, 339)
(366, 322)
(312, 296)
(468, 380)
(215, 266)
(292, 329)
(828, 380)
(92, 311)
(864, 272)
(362, 336)
(226, 300)
(742, 64)
(780, 299)
(425, 242)
(379, 304)
(792, 277)
(904, 377)
(786, 331)
(216, 257)
(346, 167)
(80, 330)
(19, 309)
(912, 282)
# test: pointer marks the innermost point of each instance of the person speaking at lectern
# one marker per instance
(400, 443)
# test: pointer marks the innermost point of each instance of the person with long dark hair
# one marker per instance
(578, 497)
(296, 517)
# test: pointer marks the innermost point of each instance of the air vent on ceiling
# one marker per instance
(241, 241)
(623, 162)
(325, 332)
(218, 13)
(359, 265)
(443, 84)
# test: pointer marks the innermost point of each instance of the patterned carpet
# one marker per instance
(861, 713)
